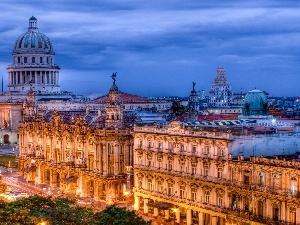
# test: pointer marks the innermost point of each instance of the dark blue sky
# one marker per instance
(160, 47)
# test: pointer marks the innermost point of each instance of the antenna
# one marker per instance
(2, 84)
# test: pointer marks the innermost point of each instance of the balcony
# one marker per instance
(224, 181)
(230, 212)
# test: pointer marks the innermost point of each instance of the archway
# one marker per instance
(6, 138)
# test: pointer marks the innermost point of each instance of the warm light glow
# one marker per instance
(126, 193)
(175, 210)
(42, 223)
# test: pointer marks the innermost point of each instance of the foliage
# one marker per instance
(62, 211)
(4, 160)
(36, 209)
(113, 215)
(177, 109)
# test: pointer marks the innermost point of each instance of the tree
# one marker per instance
(113, 215)
(36, 209)
(62, 211)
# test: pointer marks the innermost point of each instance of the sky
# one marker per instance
(159, 47)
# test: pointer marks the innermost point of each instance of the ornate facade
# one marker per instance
(80, 160)
(186, 175)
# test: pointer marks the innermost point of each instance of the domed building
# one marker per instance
(33, 63)
(256, 103)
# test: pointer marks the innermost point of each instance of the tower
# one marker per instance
(114, 110)
(220, 94)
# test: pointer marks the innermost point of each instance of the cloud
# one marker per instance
(157, 42)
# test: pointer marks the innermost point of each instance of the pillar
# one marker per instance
(146, 207)
(155, 212)
(178, 216)
(214, 220)
(201, 218)
(136, 203)
(167, 214)
(188, 217)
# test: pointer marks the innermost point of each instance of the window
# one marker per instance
(194, 170)
(294, 186)
(170, 165)
(25, 59)
(41, 59)
(149, 144)
(33, 60)
(150, 185)
(260, 208)
(149, 162)
(182, 148)
(110, 149)
(140, 182)
(19, 60)
(206, 150)
(160, 186)
(140, 144)
(221, 152)
(182, 191)
(159, 146)
(170, 188)
(206, 171)
(140, 161)
(194, 150)
(261, 178)
(194, 193)
(206, 196)
(220, 173)
(220, 201)
(121, 149)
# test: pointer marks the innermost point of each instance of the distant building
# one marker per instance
(256, 103)
(220, 94)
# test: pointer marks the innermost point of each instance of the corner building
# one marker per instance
(186, 175)
(77, 159)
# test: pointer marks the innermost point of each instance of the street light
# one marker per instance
(126, 193)
(174, 212)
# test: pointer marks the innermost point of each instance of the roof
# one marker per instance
(124, 98)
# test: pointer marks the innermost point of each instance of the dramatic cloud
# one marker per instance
(160, 47)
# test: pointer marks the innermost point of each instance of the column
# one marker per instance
(214, 220)
(167, 214)
(188, 217)
(105, 159)
(201, 218)
(96, 191)
(136, 203)
(146, 207)
(178, 216)
(155, 212)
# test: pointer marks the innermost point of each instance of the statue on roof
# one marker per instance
(194, 83)
(113, 76)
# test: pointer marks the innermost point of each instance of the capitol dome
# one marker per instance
(33, 40)
(256, 103)
(33, 67)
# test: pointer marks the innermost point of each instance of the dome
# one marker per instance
(33, 40)
(255, 102)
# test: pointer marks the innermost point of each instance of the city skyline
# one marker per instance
(161, 48)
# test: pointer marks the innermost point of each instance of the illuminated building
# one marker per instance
(79, 159)
(186, 173)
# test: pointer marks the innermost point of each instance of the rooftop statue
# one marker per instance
(113, 76)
